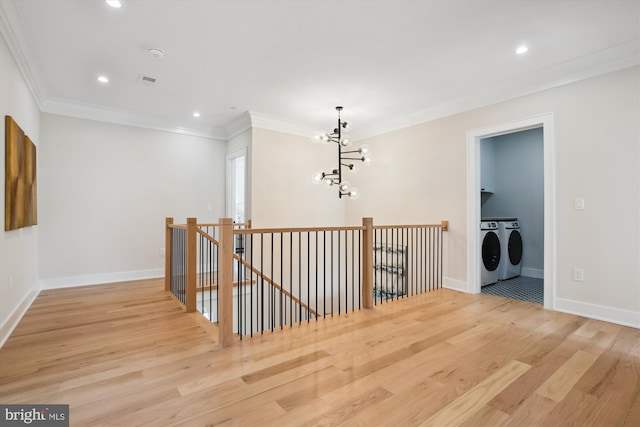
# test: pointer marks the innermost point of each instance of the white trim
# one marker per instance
(16, 40)
(536, 273)
(263, 121)
(454, 284)
(473, 200)
(230, 181)
(18, 313)
(100, 279)
(602, 62)
(599, 312)
(83, 110)
(238, 125)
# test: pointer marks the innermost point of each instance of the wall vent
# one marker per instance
(148, 81)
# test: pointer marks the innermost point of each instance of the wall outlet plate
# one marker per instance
(578, 274)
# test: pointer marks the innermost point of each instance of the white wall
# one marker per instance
(419, 176)
(105, 191)
(282, 192)
(18, 248)
(518, 170)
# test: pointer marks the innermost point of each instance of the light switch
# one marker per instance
(578, 203)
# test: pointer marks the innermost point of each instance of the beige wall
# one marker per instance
(282, 192)
(18, 248)
(106, 190)
(419, 175)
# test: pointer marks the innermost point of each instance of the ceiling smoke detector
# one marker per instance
(156, 53)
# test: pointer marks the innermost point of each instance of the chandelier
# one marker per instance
(349, 159)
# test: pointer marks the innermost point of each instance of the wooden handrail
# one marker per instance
(295, 230)
(226, 243)
(180, 226)
(235, 224)
(442, 225)
(211, 239)
(259, 273)
(274, 284)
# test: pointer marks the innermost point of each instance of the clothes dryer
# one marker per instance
(490, 250)
(511, 246)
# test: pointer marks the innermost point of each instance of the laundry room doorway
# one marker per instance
(510, 182)
(512, 196)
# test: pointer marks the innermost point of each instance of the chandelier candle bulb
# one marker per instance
(348, 159)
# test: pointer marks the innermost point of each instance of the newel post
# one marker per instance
(191, 264)
(367, 263)
(225, 287)
(167, 253)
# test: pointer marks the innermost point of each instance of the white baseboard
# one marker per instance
(536, 273)
(14, 318)
(454, 284)
(98, 279)
(599, 312)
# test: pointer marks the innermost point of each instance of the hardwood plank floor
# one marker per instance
(127, 355)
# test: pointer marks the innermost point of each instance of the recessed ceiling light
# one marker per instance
(196, 114)
(522, 49)
(113, 3)
(103, 79)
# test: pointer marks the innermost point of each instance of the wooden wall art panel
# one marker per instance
(21, 199)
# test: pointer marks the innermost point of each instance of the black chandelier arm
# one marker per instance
(346, 159)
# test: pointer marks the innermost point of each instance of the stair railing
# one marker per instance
(254, 280)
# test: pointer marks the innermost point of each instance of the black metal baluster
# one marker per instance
(375, 266)
(331, 273)
(291, 277)
(316, 270)
(440, 238)
(261, 305)
(324, 274)
(339, 278)
(251, 283)
(308, 276)
(300, 277)
(432, 259)
(359, 269)
(353, 266)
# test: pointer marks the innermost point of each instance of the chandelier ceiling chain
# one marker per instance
(349, 159)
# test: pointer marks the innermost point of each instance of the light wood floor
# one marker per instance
(126, 355)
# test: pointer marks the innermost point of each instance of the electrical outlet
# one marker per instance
(578, 274)
(578, 203)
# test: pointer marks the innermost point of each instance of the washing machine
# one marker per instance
(511, 246)
(490, 250)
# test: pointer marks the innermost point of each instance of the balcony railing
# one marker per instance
(250, 281)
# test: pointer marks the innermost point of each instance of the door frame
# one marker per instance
(473, 200)
(230, 181)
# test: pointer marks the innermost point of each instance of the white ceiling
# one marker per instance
(389, 63)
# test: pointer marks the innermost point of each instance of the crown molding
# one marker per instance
(264, 121)
(619, 57)
(66, 107)
(609, 60)
(238, 125)
(17, 42)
